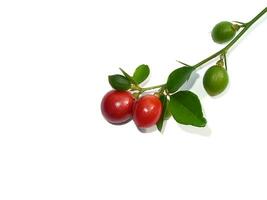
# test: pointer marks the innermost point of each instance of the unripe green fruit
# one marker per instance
(215, 80)
(223, 32)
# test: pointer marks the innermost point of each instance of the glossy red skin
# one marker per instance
(147, 111)
(116, 106)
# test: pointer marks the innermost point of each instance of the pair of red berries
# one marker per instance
(120, 106)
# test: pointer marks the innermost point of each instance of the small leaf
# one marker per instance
(178, 77)
(119, 82)
(141, 73)
(186, 109)
(164, 113)
(128, 77)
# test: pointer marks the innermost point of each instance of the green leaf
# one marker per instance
(178, 77)
(119, 82)
(164, 113)
(186, 109)
(128, 77)
(141, 73)
(167, 113)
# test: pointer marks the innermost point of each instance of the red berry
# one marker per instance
(116, 106)
(147, 111)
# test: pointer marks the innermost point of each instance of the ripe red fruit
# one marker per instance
(147, 111)
(116, 106)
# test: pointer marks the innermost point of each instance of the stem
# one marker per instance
(222, 52)
(225, 61)
(152, 87)
(227, 47)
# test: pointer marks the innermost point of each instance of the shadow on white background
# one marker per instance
(203, 131)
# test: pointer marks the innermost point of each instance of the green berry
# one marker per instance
(223, 32)
(215, 80)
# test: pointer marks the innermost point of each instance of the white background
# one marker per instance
(55, 57)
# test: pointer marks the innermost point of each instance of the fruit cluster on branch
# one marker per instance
(127, 101)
